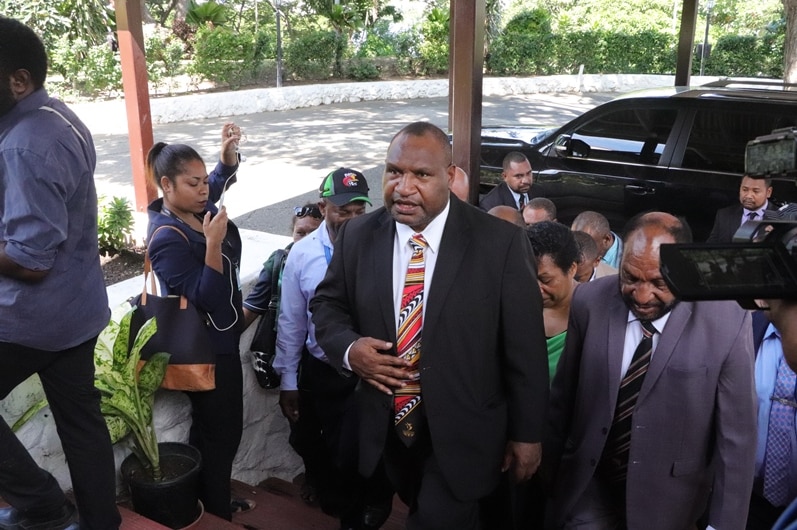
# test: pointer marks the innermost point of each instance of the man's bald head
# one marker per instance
(507, 213)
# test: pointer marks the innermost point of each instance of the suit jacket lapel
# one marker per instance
(666, 346)
(382, 267)
(452, 252)
(618, 321)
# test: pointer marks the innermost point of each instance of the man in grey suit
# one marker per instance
(481, 381)
(648, 459)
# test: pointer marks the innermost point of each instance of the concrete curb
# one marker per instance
(108, 117)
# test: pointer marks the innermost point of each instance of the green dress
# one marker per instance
(556, 345)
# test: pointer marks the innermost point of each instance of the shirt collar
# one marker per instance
(433, 233)
(659, 323)
(33, 101)
(771, 332)
(760, 211)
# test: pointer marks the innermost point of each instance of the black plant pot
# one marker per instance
(173, 501)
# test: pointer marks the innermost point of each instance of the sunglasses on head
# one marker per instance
(304, 211)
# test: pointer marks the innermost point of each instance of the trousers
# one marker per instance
(216, 429)
(67, 378)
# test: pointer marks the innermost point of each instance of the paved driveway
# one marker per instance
(288, 152)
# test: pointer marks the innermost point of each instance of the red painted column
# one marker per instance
(136, 90)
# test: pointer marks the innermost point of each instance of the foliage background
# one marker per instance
(236, 43)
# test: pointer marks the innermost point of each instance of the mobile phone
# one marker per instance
(736, 271)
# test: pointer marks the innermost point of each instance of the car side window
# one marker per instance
(630, 136)
(719, 135)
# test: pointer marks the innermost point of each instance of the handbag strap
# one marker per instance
(276, 273)
(148, 267)
(50, 109)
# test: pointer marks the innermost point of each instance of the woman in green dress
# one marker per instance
(557, 256)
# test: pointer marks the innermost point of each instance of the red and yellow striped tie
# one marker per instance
(406, 400)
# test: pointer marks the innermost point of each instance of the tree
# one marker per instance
(790, 45)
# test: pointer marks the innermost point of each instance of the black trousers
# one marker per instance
(325, 437)
(68, 380)
(415, 473)
(762, 514)
(217, 424)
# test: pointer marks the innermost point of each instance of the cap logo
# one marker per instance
(350, 180)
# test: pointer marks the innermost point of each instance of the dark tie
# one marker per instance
(777, 458)
(407, 400)
(751, 216)
(521, 201)
(614, 461)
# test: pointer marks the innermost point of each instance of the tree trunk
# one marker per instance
(790, 44)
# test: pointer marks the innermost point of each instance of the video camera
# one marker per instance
(761, 263)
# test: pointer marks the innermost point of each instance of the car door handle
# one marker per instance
(641, 190)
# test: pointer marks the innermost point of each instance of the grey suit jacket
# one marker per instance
(484, 374)
(694, 426)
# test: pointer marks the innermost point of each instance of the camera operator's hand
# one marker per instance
(783, 313)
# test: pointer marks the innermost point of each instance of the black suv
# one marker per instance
(679, 150)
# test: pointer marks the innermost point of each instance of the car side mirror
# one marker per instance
(566, 147)
(562, 146)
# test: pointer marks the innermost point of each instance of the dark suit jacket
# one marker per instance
(694, 425)
(484, 374)
(500, 195)
(727, 222)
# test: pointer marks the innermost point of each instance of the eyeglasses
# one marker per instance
(304, 211)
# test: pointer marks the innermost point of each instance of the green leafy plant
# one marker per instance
(209, 13)
(312, 55)
(127, 390)
(434, 46)
(114, 225)
(362, 69)
(128, 393)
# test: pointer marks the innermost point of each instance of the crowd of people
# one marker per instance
(500, 371)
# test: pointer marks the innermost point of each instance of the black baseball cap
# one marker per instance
(343, 186)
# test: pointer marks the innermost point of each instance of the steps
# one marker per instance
(278, 507)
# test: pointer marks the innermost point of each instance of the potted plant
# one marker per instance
(162, 477)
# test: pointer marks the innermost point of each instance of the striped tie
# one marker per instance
(407, 400)
(614, 462)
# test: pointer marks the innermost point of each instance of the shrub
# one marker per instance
(90, 70)
(433, 48)
(734, 55)
(526, 46)
(362, 69)
(164, 56)
(227, 57)
(312, 55)
(114, 225)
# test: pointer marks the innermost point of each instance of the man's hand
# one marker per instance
(385, 372)
(289, 403)
(523, 458)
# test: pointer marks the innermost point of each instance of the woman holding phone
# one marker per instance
(198, 256)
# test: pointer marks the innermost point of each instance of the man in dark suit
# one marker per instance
(653, 405)
(481, 379)
(514, 190)
(754, 196)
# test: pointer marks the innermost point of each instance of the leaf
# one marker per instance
(151, 374)
(121, 345)
(144, 334)
(32, 411)
(117, 428)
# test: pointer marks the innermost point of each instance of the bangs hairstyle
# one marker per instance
(21, 49)
(168, 160)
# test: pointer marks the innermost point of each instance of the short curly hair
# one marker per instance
(553, 239)
(21, 49)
